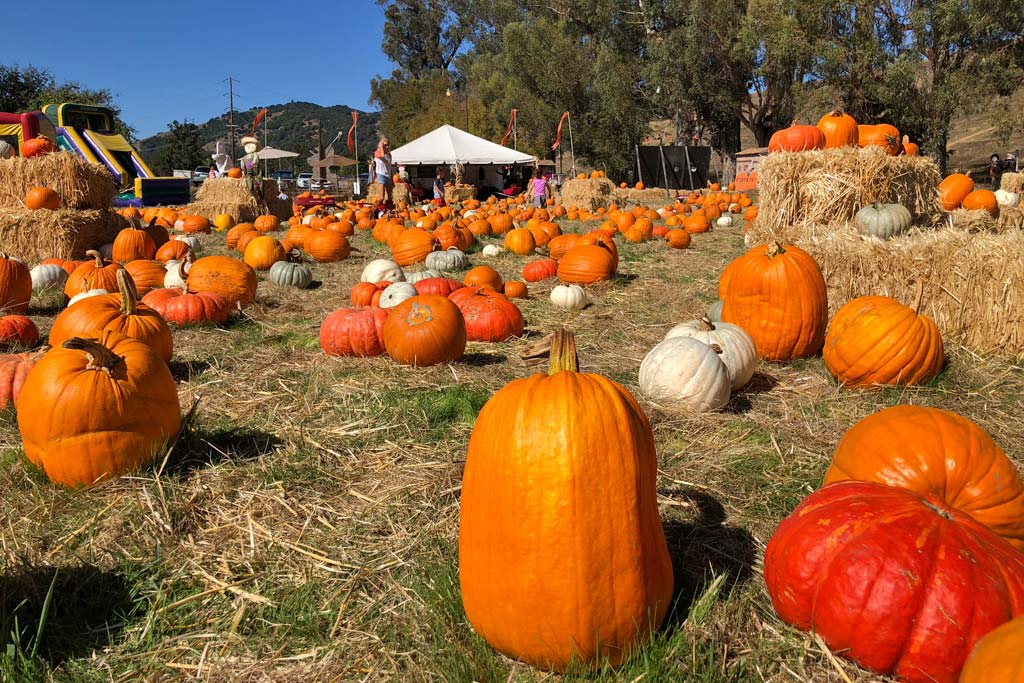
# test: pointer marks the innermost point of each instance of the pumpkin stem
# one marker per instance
(96, 255)
(716, 348)
(918, 296)
(937, 510)
(774, 249)
(129, 294)
(563, 352)
(100, 357)
(705, 324)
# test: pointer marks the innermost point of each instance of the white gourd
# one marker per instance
(569, 297)
(48, 277)
(382, 269)
(739, 352)
(447, 261)
(1007, 198)
(724, 221)
(413, 278)
(683, 372)
(493, 250)
(396, 293)
(191, 240)
(85, 295)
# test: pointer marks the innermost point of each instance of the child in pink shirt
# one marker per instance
(537, 190)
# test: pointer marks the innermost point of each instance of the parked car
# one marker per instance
(282, 175)
(302, 180)
(200, 174)
(317, 184)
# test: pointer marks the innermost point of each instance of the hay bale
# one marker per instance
(976, 220)
(651, 195)
(224, 190)
(456, 195)
(399, 193)
(974, 281)
(1010, 218)
(802, 191)
(35, 235)
(242, 212)
(1012, 182)
(81, 185)
(590, 194)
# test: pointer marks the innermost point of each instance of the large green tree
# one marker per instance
(181, 148)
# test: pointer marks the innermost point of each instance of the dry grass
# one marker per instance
(1012, 182)
(807, 194)
(35, 235)
(305, 526)
(81, 185)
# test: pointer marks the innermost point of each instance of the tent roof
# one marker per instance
(449, 145)
(274, 153)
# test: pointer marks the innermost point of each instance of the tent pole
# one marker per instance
(515, 132)
(355, 137)
(664, 169)
(639, 171)
(571, 148)
(689, 173)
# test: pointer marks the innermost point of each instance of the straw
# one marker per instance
(79, 184)
(33, 236)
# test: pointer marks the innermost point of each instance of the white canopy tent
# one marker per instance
(448, 145)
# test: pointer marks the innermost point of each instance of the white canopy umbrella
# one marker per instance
(274, 153)
(449, 145)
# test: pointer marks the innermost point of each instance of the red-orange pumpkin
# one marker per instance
(426, 329)
(535, 271)
(796, 139)
(354, 332)
(489, 315)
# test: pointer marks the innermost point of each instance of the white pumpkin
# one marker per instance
(85, 295)
(107, 251)
(382, 269)
(48, 277)
(493, 250)
(446, 261)
(724, 221)
(413, 278)
(191, 240)
(685, 372)
(306, 220)
(1007, 198)
(469, 214)
(569, 297)
(175, 275)
(179, 225)
(396, 293)
(738, 350)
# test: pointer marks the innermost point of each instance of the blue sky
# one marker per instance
(166, 61)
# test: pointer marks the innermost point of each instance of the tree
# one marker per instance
(182, 148)
(29, 88)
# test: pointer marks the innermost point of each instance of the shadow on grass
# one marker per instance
(740, 402)
(185, 370)
(703, 549)
(198, 448)
(482, 359)
(86, 611)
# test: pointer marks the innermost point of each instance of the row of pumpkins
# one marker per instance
(838, 129)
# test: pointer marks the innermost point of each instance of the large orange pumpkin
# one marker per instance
(575, 569)
(997, 656)
(111, 403)
(586, 264)
(354, 332)
(132, 244)
(412, 246)
(796, 139)
(426, 329)
(483, 276)
(147, 275)
(561, 244)
(839, 129)
(883, 135)
(984, 200)
(489, 315)
(232, 279)
(327, 246)
(777, 294)
(953, 189)
(935, 452)
(15, 285)
(264, 251)
(93, 274)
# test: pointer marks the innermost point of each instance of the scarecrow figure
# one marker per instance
(251, 161)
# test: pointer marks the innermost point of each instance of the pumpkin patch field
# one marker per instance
(566, 453)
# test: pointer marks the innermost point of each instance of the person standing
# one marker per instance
(995, 170)
(382, 169)
(439, 188)
(538, 189)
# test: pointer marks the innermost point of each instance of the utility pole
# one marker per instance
(231, 117)
(320, 147)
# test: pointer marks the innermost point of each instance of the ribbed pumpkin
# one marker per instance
(520, 241)
(442, 286)
(147, 275)
(425, 330)
(901, 583)
(93, 274)
(561, 244)
(875, 340)
(232, 279)
(290, 274)
(516, 290)
(882, 135)
(678, 238)
(489, 315)
(984, 200)
(121, 312)
(14, 368)
(15, 285)
(17, 330)
(535, 271)
(196, 224)
(263, 252)
(354, 332)
(561, 551)
(42, 198)
(586, 264)
(412, 246)
(882, 220)
(483, 276)
(839, 129)
(367, 293)
(327, 246)
(500, 223)
(997, 656)
(172, 250)
(937, 452)
(777, 294)
(266, 223)
(796, 139)
(232, 236)
(953, 189)
(183, 308)
(111, 404)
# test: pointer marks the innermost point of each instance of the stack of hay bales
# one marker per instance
(400, 193)
(225, 195)
(590, 194)
(1012, 182)
(650, 195)
(84, 220)
(457, 195)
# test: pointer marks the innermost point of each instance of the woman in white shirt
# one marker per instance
(382, 168)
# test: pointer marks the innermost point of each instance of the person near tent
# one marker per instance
(382, 169)
(538, 189)
(995, 171)
(439, 188)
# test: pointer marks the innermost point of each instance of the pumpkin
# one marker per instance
(192, 225)
(561, 244)
(14, 368)
(263, 252)
(983, 200)
(586, 264)
(584, 554)
(939, 453)
(723, 222)
(685, 372)
(1007, 198)
(796, 139)
(411, 246)
(327, 246)
(953, 189)
(777, 294)
(382, 269)
(48, 277)
(492, 250)
(678, 238)
(121, 312)
(997, 656)
(414, 277)
(15, 285)
(111, 404)
(354, 332)
(234, 234)
(909, 148)
(68, 266)
(899, 582)
(396, 293)
(425, 330)
(839, 129)
(223, 221)
(37, 146)
(157, 233)
(738, 352)
(244, 239)
(535, 271)
(192, 242)
(288, 274)
(875, 340)
(520, 241)
(696, 223)
(42, 198)
(266, 223)
(147, 275)
(17, 330)
(483, 276)
(86, 294)
(92, 274)
(175, 273)
(515, 290)
(183, 308)
(882, 220)
(489, 315)
(233, 280)
(442, 286)
(447, 261)
(172, 250)
(882, 135)
(569, 297)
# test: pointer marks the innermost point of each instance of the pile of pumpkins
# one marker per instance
(838, 129)
(957, 191)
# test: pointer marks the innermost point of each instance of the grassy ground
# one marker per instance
(304, 526)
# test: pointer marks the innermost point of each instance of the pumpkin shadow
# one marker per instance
(198, 448)
(703, 547)
(740, 402)
(88, 609)
(315, 284)
(185, 370)
(482, 359)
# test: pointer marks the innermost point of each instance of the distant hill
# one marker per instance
(291, 126)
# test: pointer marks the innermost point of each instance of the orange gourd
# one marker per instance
(983, 200)
(953, 189)
(839, 129)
